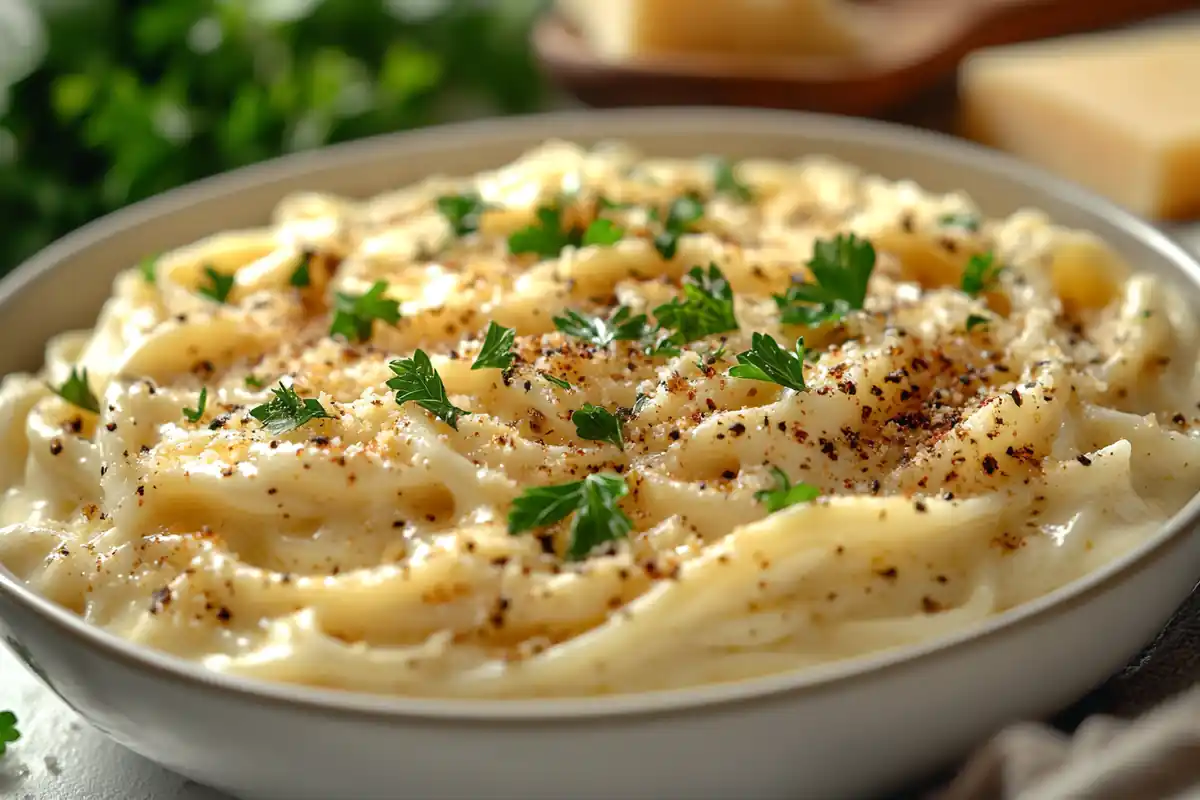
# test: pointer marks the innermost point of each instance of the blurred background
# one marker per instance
(106, 102)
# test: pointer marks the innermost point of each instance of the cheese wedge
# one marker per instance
(623, 29)
(1116, 112)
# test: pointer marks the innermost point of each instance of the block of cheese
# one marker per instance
(1116, 112)
(623, 29)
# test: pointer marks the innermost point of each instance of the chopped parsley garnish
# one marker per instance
(602, 232)
(725, 181)
(559, 382)
(682, 214)
(288, 410)
(547, 238)
(354, 313)
(496, 352)
(968, 222)
(544, 237)
(194, 414)
(710, 357)
(253, 382)
(639, 403)
(598, 425)
(462, 211)
(418, 382)
(219, 285)
(706, 310)
(75, 390)
(300, 277)
(8, 730)
(767, 361)
(976, 320)
(593, 500)
(603, 203)
(981, 274)
(785, 493)
(148, 267)
(841, 268)
(622, 325)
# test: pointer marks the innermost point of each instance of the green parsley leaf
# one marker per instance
(76, 391)
(8, 730)
(725, 181)
(598, 425)
(417, 381)
(621, 326)
(355, 313)
(194, 414)
(559, 382)
(784, 493)
(708, 358)
(968, 222)
(662, 343)
(462, 211)
(545, 237)
(148, 267)
(682, 215)
(980, 274)
(976, 320)
(300, 277)
(253, 382)
(219, 286)
(288, 411)
(496, 352)
(706, 310)
(593, 500)
(767, 361)
(842, 268)
(602, 232)
(604, 204)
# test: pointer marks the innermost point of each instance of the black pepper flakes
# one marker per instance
(56, 446)
(159, 599)
(1082, 459)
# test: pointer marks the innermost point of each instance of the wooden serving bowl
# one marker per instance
(915, 44)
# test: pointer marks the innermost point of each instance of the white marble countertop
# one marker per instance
(59, 757)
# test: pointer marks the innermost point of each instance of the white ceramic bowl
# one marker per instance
(844, 730)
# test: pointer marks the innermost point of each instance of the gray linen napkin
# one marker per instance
(1155, 756)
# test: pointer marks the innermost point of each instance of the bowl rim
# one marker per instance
(768, 688)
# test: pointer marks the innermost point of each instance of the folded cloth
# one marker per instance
(1156, 756)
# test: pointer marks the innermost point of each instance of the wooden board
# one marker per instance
(917, 45)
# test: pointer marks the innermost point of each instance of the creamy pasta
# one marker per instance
(259, 472)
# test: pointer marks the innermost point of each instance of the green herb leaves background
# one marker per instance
(129, 100)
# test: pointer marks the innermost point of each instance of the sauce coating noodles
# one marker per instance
(972, 449)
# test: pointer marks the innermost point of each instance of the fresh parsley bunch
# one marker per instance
(123, 89)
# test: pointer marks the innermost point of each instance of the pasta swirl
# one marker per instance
(967, 450)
